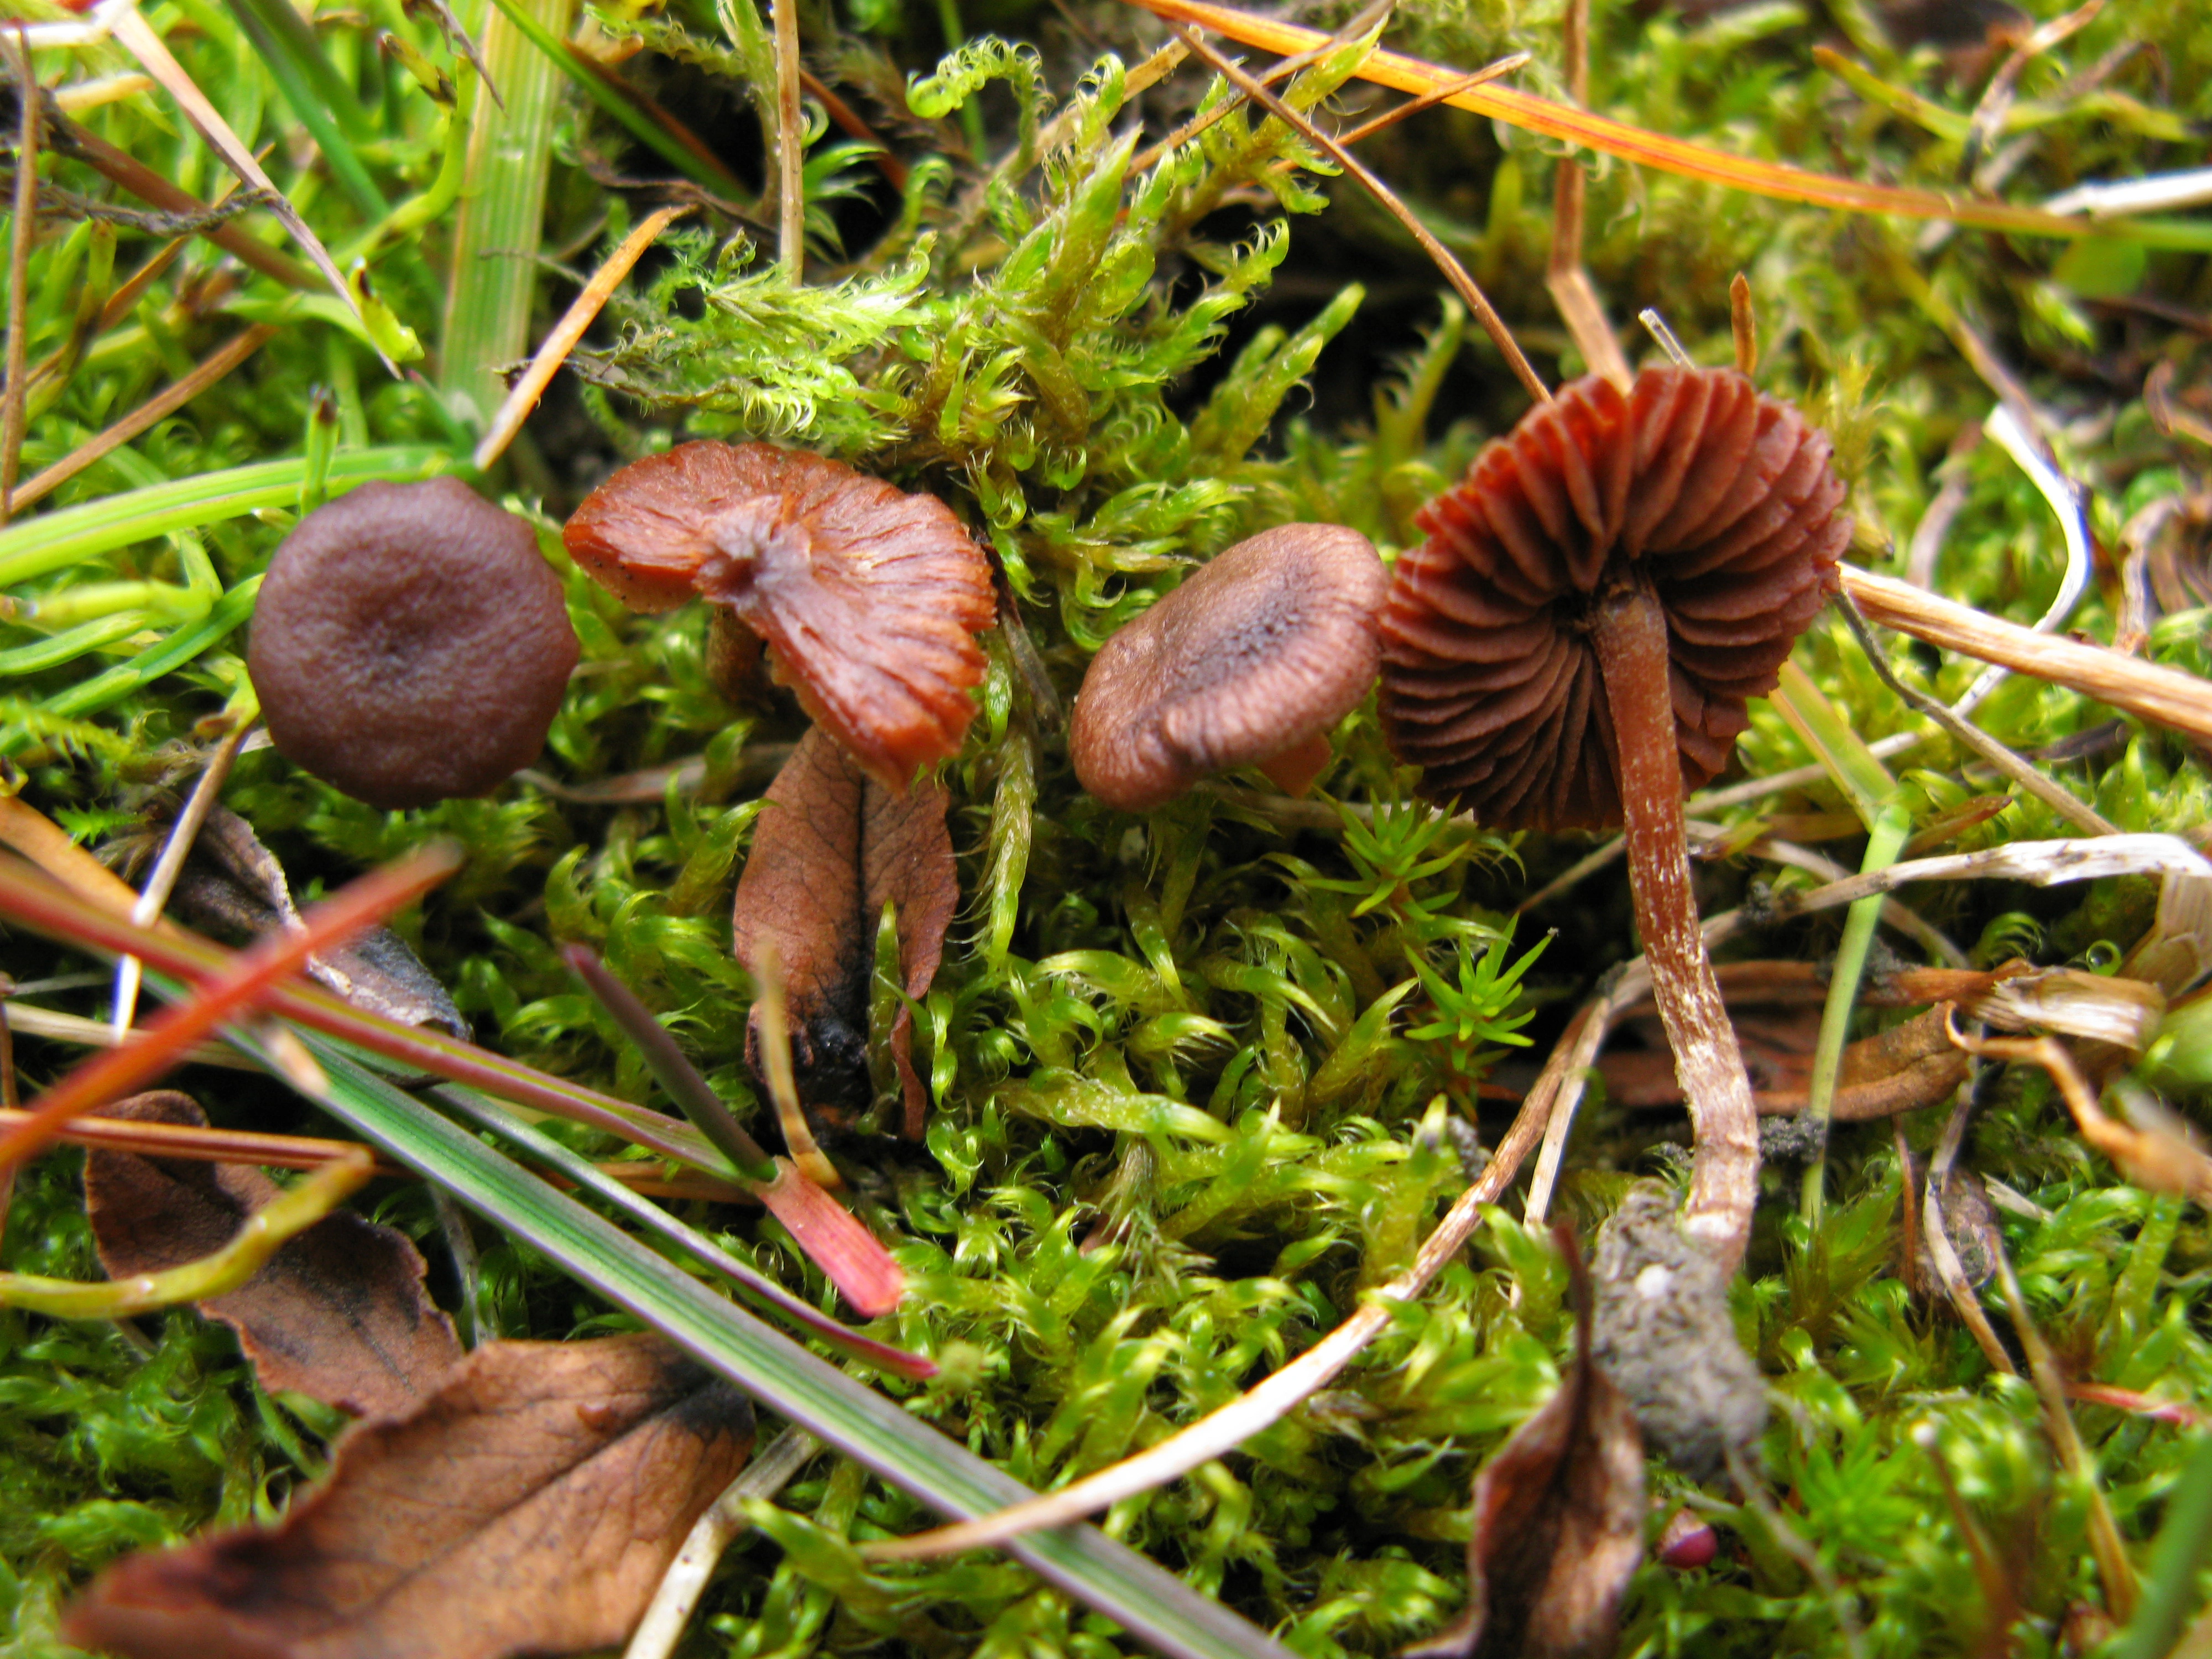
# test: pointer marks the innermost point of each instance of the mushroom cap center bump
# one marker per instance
(869, 599)
(1720, 499)
(411, 644)
(1265, 646)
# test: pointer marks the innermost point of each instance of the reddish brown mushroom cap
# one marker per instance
(411, 644)
(869, 599)
(1259, 652)
(1724, 500)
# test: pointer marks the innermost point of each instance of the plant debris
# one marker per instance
(338, 1313)
(528, 1504)
(834, 847)
(1558, 1519)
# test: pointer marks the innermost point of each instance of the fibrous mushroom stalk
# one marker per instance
(1575, 641)
(1628, 635)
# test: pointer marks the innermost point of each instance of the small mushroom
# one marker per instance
(1248, 663)
(411, 644)
(869, 599)
(1574, 644)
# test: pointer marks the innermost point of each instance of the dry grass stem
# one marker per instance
(23, 229)
(790, 145)
(776, 1059)
(710, 1538)
(1935, 1232)
(2029, 776)
(2164, 696)
(1455, 273)
(560, 340)
(164, 404)
(2033, 457)
(162, 880)
(1276, 1398)
(1570, 283)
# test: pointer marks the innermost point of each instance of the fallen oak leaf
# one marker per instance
(530, 1505)
(1558, 1518)
(339, 1312)
(832, 849)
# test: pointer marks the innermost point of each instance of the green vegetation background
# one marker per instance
(1193, 1071)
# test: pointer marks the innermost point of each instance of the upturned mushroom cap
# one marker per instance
(869, 599)
(1722, 499)
(1261, 650)
(410, 644)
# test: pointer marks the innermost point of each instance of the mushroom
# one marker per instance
(1574, 644)
(1248, 663)
(869, 599)
(411, 644)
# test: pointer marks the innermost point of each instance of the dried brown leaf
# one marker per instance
(530, 1505)
(831, 849)
(234, 884)
(1559, 1520)
(338, 1313)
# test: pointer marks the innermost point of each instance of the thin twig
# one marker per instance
(21, 231)
(1390, 117)
(710, 1538)
(162, 880)
(1446, 261)
(1371, 16)
(522, 396)
(2025, 773)
(160, 407)
(790, 153)
(1570, 283)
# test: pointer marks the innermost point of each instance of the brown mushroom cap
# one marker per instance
(1724, 499)
(1259, 650)
(869, 599)
(411, 644)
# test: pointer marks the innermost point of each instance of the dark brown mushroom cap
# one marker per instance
(869, 599)
(411, 644)
(1265, 645)
(1724, 499)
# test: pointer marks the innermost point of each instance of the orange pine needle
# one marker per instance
(242, 986)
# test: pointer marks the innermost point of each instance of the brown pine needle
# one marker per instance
(210, 370)
(1390, 117)
(523, 396)
(23, 230)
(1455, 273)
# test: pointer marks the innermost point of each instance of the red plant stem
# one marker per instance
(39, 905)
(1630, 636)
(243, 986)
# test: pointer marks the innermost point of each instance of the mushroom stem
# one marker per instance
(1629, 633)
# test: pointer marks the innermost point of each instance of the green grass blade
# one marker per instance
(1144, 1598)
(33, 547)
(312, 91)
(155, 660)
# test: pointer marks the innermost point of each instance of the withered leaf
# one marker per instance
(339, 1312)
(831, 848)
(1559, 1520)
(530, 1505)
(233, 884)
